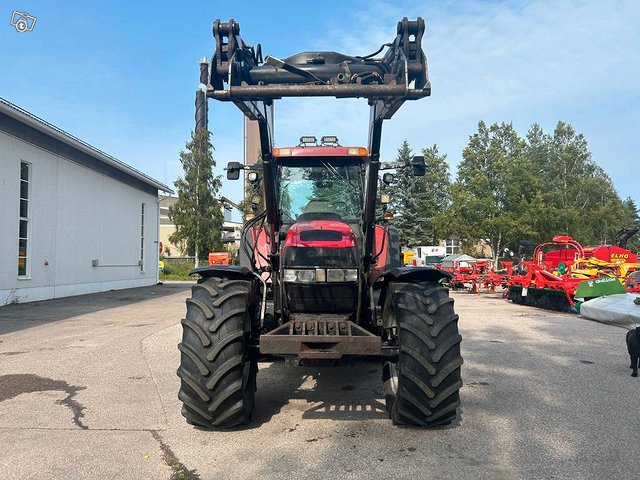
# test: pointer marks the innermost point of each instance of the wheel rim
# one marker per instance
(390, 384)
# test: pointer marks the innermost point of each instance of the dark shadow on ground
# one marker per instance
(339, 393)
(16, 384)
(18, 317)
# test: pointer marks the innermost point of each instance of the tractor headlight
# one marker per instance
(342, 275)
(289, 275)
(320, 275)
(306, 276)
(351, 275)
(302, 276)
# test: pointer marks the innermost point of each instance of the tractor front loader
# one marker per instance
(320, 279)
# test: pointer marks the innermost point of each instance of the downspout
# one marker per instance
(157, 265)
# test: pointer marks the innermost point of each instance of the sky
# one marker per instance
(122, 75)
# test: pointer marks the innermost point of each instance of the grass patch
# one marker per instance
(177, 271)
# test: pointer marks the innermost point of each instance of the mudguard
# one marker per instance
(412, 274)
(403, 274)
(231, 271)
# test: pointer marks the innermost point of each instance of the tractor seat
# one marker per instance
(308, 217)
(318, 209)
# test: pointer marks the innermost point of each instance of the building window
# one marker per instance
(23, 231)
(142, 238)
(452, 246)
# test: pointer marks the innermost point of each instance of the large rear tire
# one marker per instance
(422, 386)
(217, 369)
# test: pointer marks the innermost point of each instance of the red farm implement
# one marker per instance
(558, 268)
(477, 275)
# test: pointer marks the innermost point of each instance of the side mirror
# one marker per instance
(233, 170)
(418, 166)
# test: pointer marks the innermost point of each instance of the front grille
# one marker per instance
(320, 236)
(320, 257)
(319, 298)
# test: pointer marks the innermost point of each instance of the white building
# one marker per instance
(73, 220)
(231, 231)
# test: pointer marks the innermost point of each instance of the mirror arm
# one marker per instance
(235, 167)
(391, 165)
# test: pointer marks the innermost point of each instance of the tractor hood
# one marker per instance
(320, 234)
(320, 243)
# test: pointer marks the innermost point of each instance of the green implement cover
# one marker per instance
(599, 287)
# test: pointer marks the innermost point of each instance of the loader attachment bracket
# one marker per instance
(237, 72)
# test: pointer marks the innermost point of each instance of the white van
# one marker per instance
(428, 255)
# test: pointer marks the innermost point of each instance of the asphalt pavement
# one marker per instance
(88, 390)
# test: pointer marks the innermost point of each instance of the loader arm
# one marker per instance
(237, 73)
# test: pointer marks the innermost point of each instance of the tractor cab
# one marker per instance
(320, 183)
(320, 190)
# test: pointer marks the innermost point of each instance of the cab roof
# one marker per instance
(320, 151)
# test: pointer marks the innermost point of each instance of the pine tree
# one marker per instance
(631, 222)
(433, 197)
(197, 214)
(419, 203)
(403, 198)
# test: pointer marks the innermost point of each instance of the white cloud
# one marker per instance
(536, 61)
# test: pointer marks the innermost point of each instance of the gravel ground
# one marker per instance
(88, 390)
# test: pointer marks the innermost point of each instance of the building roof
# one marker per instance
(51, 130)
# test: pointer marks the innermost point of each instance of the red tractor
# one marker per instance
(320, 280)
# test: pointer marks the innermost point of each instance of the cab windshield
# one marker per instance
(322, 191)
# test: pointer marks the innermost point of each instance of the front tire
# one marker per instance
(217, 370)
(422, 387)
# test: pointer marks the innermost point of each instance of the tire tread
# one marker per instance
(429, 361)
(217, 374)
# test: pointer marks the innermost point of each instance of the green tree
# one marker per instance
(578, 197)
(419, 203)
(433, 197)
(631, 219)
(404, 203)
(197, 214)
(545, 211)
(495, 196)
(509, 189)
